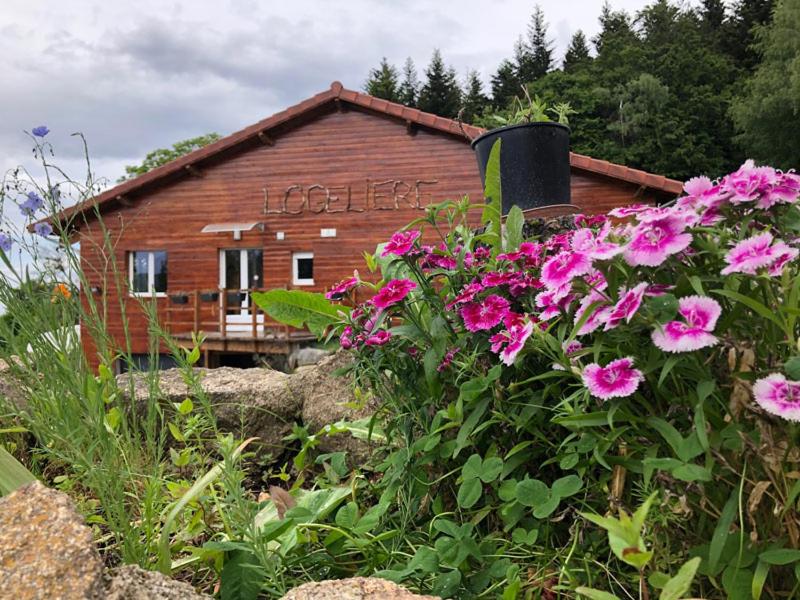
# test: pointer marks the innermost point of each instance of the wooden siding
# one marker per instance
(334, 149)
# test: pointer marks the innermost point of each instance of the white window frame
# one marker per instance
(151, 274)
(295, 270)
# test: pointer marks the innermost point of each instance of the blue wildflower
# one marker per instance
(43, 229)
(5, 242)
(40, 131)
(32, 204)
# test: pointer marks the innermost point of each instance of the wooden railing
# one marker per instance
(208, 311)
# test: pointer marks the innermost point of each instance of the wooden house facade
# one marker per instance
(290, 202)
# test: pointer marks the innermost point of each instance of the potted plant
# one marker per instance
(179, 298)
(209, 296)
(534, 155)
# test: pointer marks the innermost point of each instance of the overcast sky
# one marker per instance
(134, 76)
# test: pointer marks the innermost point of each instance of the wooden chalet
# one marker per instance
(290, 202)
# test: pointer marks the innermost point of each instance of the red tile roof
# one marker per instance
(337, 93)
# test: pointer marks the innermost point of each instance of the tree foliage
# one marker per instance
(440, 93)
(383, 82)
(162, 156)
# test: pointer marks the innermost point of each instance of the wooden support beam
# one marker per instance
(265, 139)
(411, 128)
(124, 201)
(340, 106)
(193, 171)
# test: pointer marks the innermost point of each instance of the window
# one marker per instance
(303, 268)
(148, 273)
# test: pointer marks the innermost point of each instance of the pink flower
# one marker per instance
(341, 288)
(616, 380)
(654, 241)
(497, 278)
(484, 315)
(562, 268)
(775, 394)
(379, 338)
(400, 243)
(757, 252)
(346, 339)
(509, 342)
(627, 305)
(599, 314)
(700, 315)
(554, 301)
(392, 293)
(784, 254)
(467, 294)
(628, 211)
(595, 245)
(448, 359)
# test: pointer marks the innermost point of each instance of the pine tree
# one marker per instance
(766, 114)
(712, 14)
(409, 89)
(505, 85)
(540, 47)
(440, 94)
(524, 62)
(382, 82)
(474, 100)
(577, 52)
(740, 39)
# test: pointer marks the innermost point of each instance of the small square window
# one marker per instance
(148, 272)
(303, 268)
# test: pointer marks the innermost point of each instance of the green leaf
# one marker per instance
(491, 469)
(241, 577)
(567, 486)
(532, 492)
(472, 468)
(493, 193)
(469, 425)
(514, 224)
(469, 493)
(792, 367)
(185, 407)
(347, 516)
(547, 508)
(300, 309)
(12, 473)
(759, 579)
(679, 585)
(755, 305)
(425, 560)
(783, 556)
(691, 472)
(594, 594)
(721, 531)
(176, 432)
(113, 418)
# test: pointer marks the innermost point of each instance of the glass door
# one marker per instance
(240, 271)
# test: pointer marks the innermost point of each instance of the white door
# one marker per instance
(241, 270)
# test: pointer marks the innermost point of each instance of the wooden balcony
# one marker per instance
(228, 321)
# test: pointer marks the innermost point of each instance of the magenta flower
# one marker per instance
(484, 315)
(497, 278)
(509, 342)
(628, 211)
(562, 268)
(627, 305)
(784, 254)
(379, 338)
(775, 394)
(654, 241)
(554, 301)
(467, 294)
(392, 293)
(598, 316)
(346, 339)
(700, 315)
(448, 359)
(754, 253)
(341, 288)
(595, 245)
(616, 380)
(400, 243)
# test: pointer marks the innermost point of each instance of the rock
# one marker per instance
(10, 387)
(325, 399)
(304, 357)
(134, 583)
(46, 550)
(248, 402)
(356, 588)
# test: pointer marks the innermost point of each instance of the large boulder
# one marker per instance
(46, 550)
(249, 402)
(134, 583)
(328, 398)
(10, 388)
(356, 588)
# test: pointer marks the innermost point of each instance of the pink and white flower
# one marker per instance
(562, 268)
(509, 342)
(628, 211)
(750, 255)
(700, 315)
(779, 396)
(784, 254)
(401, 242)
(467, 294)
(379, 338)
(595, 245)
(392, 293)
(627, 305)
(479, 316)
(341, 288)
(599, 314)
(652, 242)
(616, 380)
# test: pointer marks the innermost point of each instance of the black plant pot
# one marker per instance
(234, 298)
(209, 296)
(179, 299)
(534, 163)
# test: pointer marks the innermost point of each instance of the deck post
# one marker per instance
(223, 313)
(253, 315)
(196, 309)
